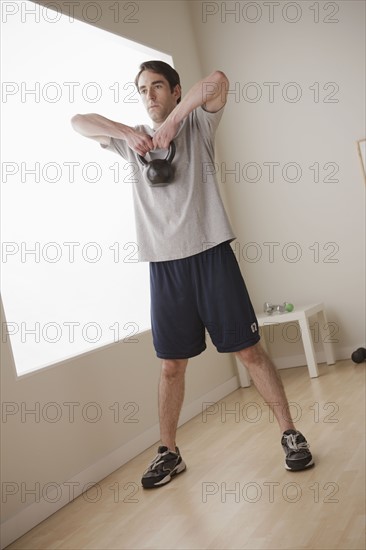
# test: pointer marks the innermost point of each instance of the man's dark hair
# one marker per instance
(161, 68)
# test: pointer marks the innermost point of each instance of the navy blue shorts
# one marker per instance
(204, 291)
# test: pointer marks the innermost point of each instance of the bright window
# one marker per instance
(71, 282)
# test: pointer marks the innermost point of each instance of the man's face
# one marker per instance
(157, 97)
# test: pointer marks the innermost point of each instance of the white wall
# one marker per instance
(304, 212)
(303, 132)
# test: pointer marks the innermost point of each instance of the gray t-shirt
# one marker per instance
(186, 216)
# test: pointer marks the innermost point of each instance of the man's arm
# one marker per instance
(102, 130)
(210, 93)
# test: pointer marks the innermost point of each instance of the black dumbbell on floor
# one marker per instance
(359, 356)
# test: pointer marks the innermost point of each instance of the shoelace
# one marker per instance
(293, 445)
(156, 461)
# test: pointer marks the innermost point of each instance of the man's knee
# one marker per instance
(173, 368)
(251, 355)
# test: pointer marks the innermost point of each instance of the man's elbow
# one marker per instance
(75, 120)
(220, 77)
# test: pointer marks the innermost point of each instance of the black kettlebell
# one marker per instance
(160, 172)
(359, 356)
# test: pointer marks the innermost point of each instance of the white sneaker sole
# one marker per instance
(177, 470)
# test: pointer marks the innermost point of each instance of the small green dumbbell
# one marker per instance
(285, 307)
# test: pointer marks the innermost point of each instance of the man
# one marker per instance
(184, 232)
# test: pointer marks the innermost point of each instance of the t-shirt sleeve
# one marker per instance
(206, 121)
(118, 146)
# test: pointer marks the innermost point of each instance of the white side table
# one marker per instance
(300, 314)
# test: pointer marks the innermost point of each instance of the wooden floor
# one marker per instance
(236, 492)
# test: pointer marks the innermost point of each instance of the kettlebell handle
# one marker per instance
(168, 158)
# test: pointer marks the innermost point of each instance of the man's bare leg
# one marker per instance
(171, 395)
(168, 463)
(268, 383)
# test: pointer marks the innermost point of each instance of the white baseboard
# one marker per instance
(37, 512)
(300, 360)
(288, 362)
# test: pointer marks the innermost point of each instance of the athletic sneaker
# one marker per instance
(298, 456)
(165, 465)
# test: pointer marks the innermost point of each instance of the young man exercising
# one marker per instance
(184, 232)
